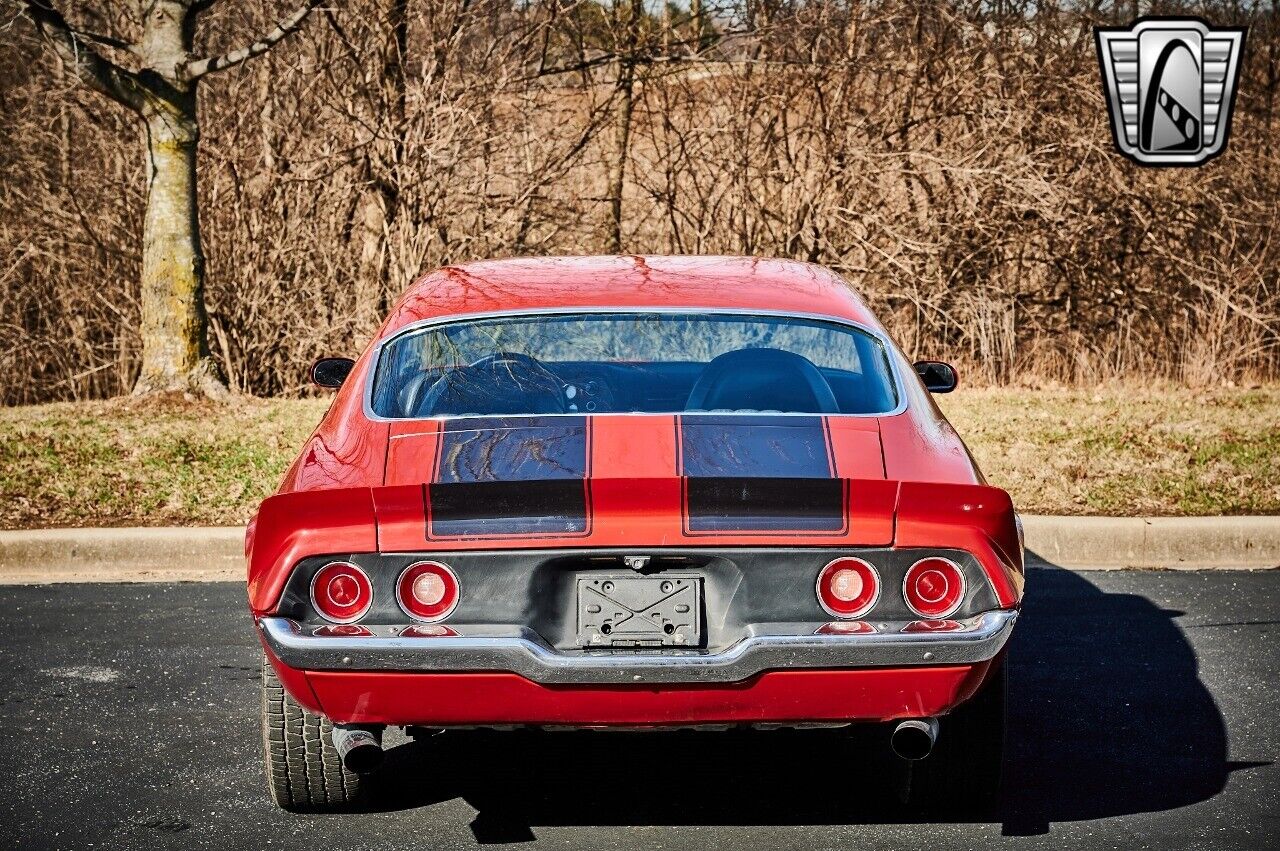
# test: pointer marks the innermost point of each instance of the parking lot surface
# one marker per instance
(1144, 713)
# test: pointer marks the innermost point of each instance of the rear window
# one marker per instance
(650, 362)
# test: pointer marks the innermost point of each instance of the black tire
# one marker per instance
(304, 772)
(963, 773)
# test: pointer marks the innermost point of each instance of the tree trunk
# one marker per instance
(162, 92)
(622, 145)
(370, 229)
(175, 349)
(175, 346)
(379, 203)
(665, 25)
(630, 40)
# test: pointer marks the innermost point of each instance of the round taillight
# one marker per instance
(341, 592)
(427, 591)
(848, 587)
(933, 587)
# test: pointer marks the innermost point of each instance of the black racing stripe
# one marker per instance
(759, 474)
(751, 446)
(502, 509)
(765, 505)
(504, 476)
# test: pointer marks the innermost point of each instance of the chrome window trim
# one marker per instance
(375, 357)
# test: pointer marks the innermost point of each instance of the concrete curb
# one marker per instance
(166, 554)
(1152, 542)
(207, 554)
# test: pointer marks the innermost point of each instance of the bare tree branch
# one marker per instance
(200, 67)
(109, 41)
(96, 71)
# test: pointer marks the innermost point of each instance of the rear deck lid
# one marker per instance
(634, 480)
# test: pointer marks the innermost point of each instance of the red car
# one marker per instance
(632, 492)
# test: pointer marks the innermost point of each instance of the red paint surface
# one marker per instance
(294, 681)
(975, 518)
(874, 694)
(855, 447)
(729, 283)
(358, 486)
(632, 511)
(290, 527)
(635, 490)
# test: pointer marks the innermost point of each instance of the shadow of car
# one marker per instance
(1108, 716)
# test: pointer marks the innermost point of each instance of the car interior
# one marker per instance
(656, 363)
(741, 381)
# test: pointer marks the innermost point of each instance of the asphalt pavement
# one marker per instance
(1143, 714)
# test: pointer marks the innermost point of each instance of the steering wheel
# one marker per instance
(509, 360)
(762, 380)
(498, 383)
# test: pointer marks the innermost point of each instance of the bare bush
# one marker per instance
(951, 159)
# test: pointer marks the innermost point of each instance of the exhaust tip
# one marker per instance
(363, 759)
(914, 738)
(359, 748)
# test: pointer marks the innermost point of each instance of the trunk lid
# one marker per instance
(634, 480)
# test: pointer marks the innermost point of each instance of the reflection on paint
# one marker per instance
(846, 628)
(341, 630)
(428, 630)
(933, 626)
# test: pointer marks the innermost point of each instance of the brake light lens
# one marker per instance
(933, 626)
(341, 592)
(342, 630)
(934, 587)
(428, 630)
(846, 628)
(428, 591)
(848, 588)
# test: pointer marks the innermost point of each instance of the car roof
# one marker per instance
(628, 281)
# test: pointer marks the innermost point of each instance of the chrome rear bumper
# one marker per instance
(521, 651)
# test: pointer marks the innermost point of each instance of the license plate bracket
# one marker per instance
(628, 611)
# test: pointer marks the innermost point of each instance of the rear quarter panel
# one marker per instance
(347, 449)
(919, 444)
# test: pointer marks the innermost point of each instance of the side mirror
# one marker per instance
(938, 377)
(331, 372)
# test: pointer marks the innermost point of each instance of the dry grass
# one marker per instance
(155, 463)
(1118, 450)
(1125, 449)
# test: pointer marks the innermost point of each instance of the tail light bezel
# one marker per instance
(940, 614)
(366, 588)
(452, 586)
(853, 614)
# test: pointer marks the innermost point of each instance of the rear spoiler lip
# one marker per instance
(291, 526)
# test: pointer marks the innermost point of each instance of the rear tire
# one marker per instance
(304, 772)
(963, 773)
